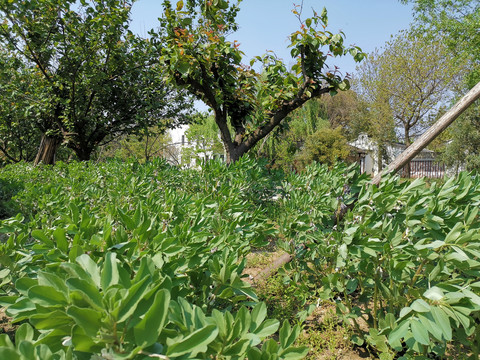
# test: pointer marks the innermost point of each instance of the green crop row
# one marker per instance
(122, 260)
(129, 261)
(403, 266)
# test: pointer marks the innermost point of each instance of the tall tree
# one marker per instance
(96, 80)
(457, 24)
(410, 79)
(200, 58)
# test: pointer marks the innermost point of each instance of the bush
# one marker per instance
(326, 146)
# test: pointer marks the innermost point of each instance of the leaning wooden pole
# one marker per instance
(429, 135)
(409, 153)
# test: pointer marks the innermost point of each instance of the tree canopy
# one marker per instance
(94, 79)
(18, 136)
(457, 23)
(200, 56)
(405, 84)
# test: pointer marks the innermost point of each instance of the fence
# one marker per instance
(425, 168)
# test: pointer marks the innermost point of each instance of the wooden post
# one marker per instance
(435, 130)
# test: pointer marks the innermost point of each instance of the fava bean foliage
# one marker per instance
(121, 260)
(403, 266)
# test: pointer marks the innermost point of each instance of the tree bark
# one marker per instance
(47, 150)
(407, 144)
(380, 157)
(435, 130)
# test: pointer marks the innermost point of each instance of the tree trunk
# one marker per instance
(435, 130)
(47, 150)
(379, 158)
(232, 155)
(407, 167)
(83, 154)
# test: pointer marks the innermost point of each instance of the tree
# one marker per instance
(144, 146)
(342, 110)
(203, 139)
(282, 145)
(18, 137)
(408, 81)
(95, 79)
(456, 23)
(326, 146)
(462, 151)
(200, 58)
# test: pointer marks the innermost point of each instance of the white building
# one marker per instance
(187, 152)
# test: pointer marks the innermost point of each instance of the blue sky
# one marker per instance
(266, 24)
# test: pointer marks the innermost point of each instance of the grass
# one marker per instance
(327, 337)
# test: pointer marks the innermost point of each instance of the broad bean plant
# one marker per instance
(122, 260)
(403, 266)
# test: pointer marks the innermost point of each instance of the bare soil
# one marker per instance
(6, 326)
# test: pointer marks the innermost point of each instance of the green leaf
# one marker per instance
(221, 323)
(110, 274)
(50, 279)
(89, 319)
(267, 328)
(5, 341)
(22, 285)
(194, 343)
(46, 296)
(284, 334)
(83, 342)
(61, 239)
(434, 293)
(52, 320)
(294, 353)
(454, 234)
(40, 235)
(129, 303)
(420, 306)
(419, 332)
(43, 352)
(183, 67)
(259, 313)
(428, 322)
(24, 332)
(75, 252)
(399, 332)
(146, 332)
(26, 349)
(443, 322)
(238, 348)
(127, 221)
(10, 354)
(89, 292)
(242, 323)
(90, 267)
(287, 336)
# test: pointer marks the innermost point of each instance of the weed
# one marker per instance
(281, 299)
(328, 338)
